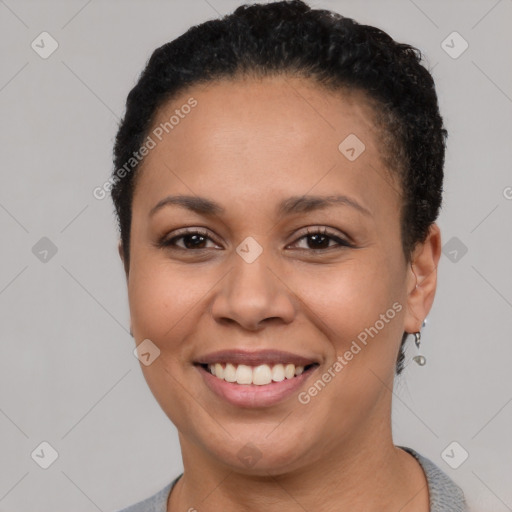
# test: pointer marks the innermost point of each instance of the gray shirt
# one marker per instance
(445, 495)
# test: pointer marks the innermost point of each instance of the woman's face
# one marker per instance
(254, 280)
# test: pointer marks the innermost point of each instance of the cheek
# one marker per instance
(359, 308)
(162, 308)
(361, 313)
(161, 297)
(352, 296)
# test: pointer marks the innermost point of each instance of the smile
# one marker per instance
(247, 378)
(260, 375)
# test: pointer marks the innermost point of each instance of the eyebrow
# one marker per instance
(292, 205)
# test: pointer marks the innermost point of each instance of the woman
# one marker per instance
(278, 175)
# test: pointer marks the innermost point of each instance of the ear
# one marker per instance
(121, 255)
(422, 279)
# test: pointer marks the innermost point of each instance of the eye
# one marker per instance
(192, 239)
(320, 239)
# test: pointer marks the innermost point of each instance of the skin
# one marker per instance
(247, 145)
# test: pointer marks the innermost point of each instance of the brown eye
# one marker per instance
(320, 239)
(192, 240)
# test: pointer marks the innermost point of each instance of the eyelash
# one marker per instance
(170, 243)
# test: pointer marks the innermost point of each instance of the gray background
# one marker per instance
(67, 372)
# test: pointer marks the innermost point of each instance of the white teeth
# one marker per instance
(289, 371)
(278, 373)
(230, 373)
(243, 374)
(219, 371)
(258, 375)
(261, 375)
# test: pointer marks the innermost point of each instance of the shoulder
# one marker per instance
(155, 503)
(445, 494)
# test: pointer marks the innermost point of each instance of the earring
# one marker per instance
(419, 359)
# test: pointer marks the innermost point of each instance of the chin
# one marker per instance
(259, 454)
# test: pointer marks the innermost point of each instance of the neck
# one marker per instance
(366, 472)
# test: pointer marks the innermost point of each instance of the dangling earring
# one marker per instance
(419, 359)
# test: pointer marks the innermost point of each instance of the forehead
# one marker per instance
(261, 139)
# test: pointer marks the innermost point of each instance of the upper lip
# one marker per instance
(254, 358)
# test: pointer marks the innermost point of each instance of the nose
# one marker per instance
(253, 294)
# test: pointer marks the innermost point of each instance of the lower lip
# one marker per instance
(252, 395)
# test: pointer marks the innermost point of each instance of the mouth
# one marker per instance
(260, 375)
(255, 379)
